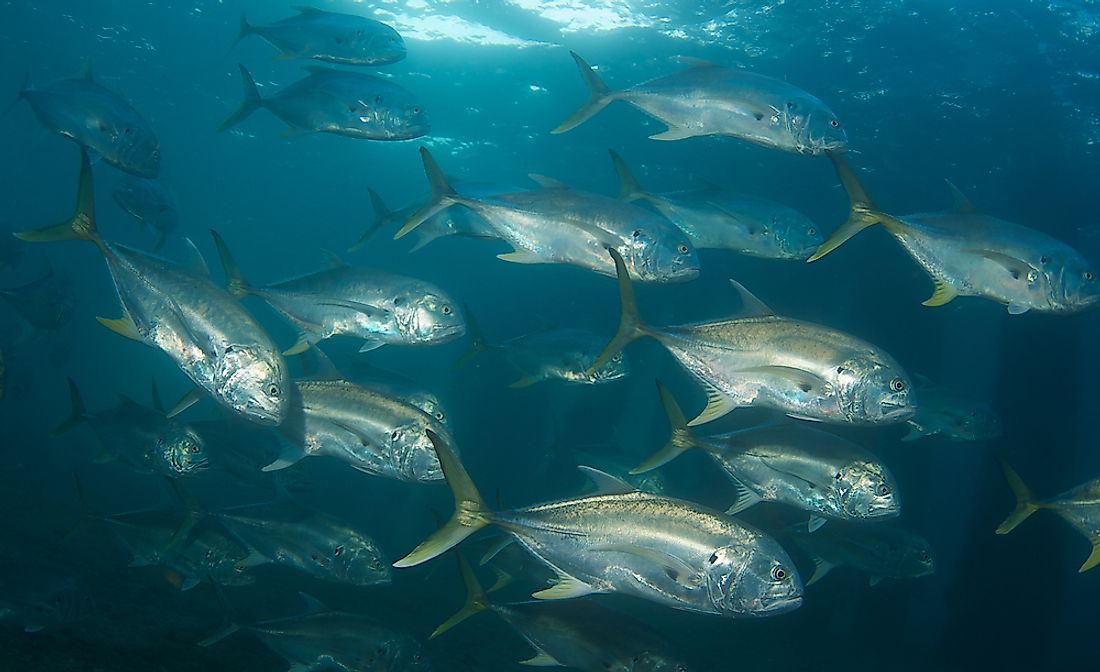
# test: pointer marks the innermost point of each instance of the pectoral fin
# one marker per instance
(676, 569)
(304, 342)
(674, 133)
(1017, 309)
(541, 659)
(186, 401)
(1018, 268)
(123, 326)
(521, 257)
(566, 588)
(943, 295)
(821, 568)
(807, 381)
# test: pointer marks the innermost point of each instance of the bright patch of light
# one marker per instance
(535, 88)
(430, 27)
(590, 15)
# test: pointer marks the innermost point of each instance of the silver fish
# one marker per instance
(559, 225)
(380, 308)
(948, 413)
(324, 640)
(792, 464)
(715, 218)
(369, 430)
(584, 637)
(330, 36)
(882, 550)
(143, 438)
(352, 104)
(804, 370)
(99, 120)
(149, 202)
(968, 253)
(708, 99)
(204, 330)
(450, 222)
(656, 548)
(1080, 507)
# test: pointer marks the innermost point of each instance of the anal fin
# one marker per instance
(521, 257)
(943, 295)
(541, 659)
(718, 405)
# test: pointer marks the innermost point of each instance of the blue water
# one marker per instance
(1001, 98)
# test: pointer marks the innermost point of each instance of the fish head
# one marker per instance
(978, 423)
(390, 653)
(873, 390)
(914, 557)
(139, 152)
(428, 317)
(1072, 280)
(617, 367)
(795, 235)
(253, 382)
(866, 490)
(181, 451)
(812, 126)
(355, 560)
(654, 256)
(756, 579)
(390, 115)
(414, 454)
(385, 44)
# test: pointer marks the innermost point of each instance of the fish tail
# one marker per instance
(244, 31)
(630, 323)
(599, 96)
(629, 188)
(252, 101)
(81, 226)
(77, 415)
(441, 198)
(471, 514)
(235, 282)
(1025, 502)
(382, 215)
(476, 600)
(861, 215)
(682, 439)
(229, 626)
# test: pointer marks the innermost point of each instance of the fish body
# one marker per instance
(331, 36)
(560, 354)
(969, 253)
(99, 120)
(947, 413)
(351, 104)
(46, 303)
(559, 225)
(149, 202)
(881, 550)
(182, 313)
(369, 430)
(708, 99)
(450, 222)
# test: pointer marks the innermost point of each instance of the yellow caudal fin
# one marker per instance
(81, 226)
(1094, 557)
(598, 97)
(1025, 502)
(471, 514)
(682, 439)
(476, 600)
(630, 323)
(862, 215)
(442, 196)
(235, 282)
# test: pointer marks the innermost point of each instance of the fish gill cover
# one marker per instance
(454, 245)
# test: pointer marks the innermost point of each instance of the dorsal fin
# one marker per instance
(313, 605)
(960, 203)
(333, 260)
(606, 484)
(547, 182)
(195, 261)
(750, 305)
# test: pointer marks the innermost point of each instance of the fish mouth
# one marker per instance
(782, 604)
(893, 410)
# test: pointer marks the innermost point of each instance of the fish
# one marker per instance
(51, 606)
(46, 303)
(945, 412)
(323, 639)
(334, 37)
(804, 370)
(559, 225)
(97, 119)
(144, 438)
(968, 253)
(556, 354)
(379, 308)
(182, 313)
(238, 453)
(664, 550)
(450, 222)
(350, 104)
(311, 542)
(365, 428)
(708, 99)
(586, 637)
(793, 464)
(883, 550)
(149, 202)
(716, 218)
(1079, 506)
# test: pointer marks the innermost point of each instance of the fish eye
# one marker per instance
(439, 415)
(378, 99)
(156, 153)
(446, 310)
(636, 234)
(713, 558)
(273, 390)
(883, 490)
(897, 385)
(194, 448)
(338, 551)
(925, 557)
(778, 573)
(812, 231)
(617, 358)
(416, 110)
(395, 435)
(376, 564)
(1043, 259)
(790, 105)
(682, 249)
(837, 475)
(160, 440)
(834, 123)
(1087, 275)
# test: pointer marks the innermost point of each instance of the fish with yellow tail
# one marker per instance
(806, 371)
(182, 313)
(1080, 507)
(968, 253)
(620, 540)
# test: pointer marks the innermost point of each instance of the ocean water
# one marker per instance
(1002, 98)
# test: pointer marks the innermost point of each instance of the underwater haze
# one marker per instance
(256, 525)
